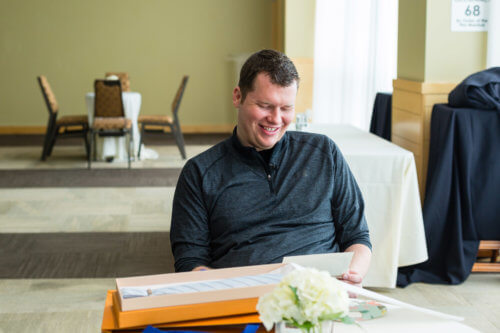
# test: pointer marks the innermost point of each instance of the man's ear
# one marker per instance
(237, 97)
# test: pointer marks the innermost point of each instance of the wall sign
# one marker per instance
(469, 15)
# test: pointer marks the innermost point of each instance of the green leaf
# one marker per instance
(347, 320)
(307, 325)
(332, 316)
(296, 296)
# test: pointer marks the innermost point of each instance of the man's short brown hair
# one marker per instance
(276, 65)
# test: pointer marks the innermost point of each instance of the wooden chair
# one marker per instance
(124, 79)
(65, 126)
(490, 248)
(160, 122)
(109, 117)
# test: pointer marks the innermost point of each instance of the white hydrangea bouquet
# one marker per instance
(305, 298)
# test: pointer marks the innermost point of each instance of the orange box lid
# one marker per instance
(139, 319)
(189, 299)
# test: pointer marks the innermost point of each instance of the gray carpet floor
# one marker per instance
(119, 177)
(151, 139)
(84, 255)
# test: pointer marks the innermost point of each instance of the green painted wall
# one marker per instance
(155, 41)
(299, 28)
(411, 40)
(428, 51)
(451, 56)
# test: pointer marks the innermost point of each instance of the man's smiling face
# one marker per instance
(266, 112)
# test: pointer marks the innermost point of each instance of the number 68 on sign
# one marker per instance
(469, 15)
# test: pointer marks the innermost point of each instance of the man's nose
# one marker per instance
(275, 115)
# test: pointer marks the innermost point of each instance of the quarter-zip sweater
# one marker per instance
(231, 208)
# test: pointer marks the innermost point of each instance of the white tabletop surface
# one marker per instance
(399, 320)
(387, 177)
(116, 146)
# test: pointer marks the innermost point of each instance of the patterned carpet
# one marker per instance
(151, 139)
(62, 246)
(119, 177)
(84, 255)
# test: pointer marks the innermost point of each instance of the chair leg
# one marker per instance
(140, 141)
(90, 145)
(86, 139)
(94, 157)
(179, 139)
(53, 138)
(46, 141)
(130, 142)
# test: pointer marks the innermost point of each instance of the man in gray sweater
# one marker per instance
(266, 193)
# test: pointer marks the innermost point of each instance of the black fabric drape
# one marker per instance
(462, 202)
(479, 91)
(381, 117)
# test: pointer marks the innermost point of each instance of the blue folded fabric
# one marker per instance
(250, 328)
(151, 329)
(480, 90)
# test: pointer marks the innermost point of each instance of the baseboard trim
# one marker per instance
(192, 129)
(195, 129)
(424, 87)
(22, 129)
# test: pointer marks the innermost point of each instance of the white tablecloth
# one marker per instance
(387, 178)
(398, 320)
(116, 146)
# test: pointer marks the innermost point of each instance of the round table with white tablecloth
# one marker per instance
(387, 178)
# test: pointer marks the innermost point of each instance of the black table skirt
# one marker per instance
(462, 201)
(381, 117)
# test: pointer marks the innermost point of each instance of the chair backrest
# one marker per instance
(124, 79)
(48, 94)
(178, 96)
(108, 99)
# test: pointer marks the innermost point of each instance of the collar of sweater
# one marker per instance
(250, 154)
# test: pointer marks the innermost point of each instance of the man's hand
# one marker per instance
(359, 265)
(352, 277)
(201, 268)
(360, 260)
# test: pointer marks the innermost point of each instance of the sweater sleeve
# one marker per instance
(348, 206)
(189, 232)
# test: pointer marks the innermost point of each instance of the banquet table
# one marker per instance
(116, 146)
(462, 193)
(397, 319)
(400, 319)
(387, 177)
(380, 123)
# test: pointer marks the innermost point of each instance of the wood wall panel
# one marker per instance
(427, 129)
(305, 68)
(430, 100)
(408, 125)
(277, 27)
(408, 101)
(411, 116)
(415, 148)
